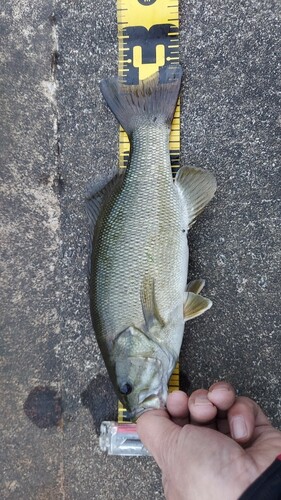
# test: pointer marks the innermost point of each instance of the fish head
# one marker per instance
(142, 370)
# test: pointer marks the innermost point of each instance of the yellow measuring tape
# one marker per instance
(148, 40)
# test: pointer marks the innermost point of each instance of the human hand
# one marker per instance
(211, 445)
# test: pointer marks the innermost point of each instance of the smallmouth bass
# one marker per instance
(138, 295)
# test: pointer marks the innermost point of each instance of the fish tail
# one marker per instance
(151, 101)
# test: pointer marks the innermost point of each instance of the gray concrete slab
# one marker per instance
(57, 139)
(30, 240)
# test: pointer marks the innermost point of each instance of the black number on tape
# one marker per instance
(146, 2)
(148, 40)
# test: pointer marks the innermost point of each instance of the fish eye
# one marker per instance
(125, 389)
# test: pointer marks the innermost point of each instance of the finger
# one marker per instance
(244, 417)
(223, 396)
(177, 406)
(157, 431)
(201, 409)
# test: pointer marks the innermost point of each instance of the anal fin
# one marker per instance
(197, 187)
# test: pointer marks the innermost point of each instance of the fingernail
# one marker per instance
(202, 400)
(238, 427)
(220, 388)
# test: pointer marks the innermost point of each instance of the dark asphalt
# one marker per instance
(58, 138)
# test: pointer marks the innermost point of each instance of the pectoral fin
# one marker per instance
(195, 305)
(149, 307)
(197, 187)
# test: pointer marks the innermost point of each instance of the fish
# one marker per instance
(139, 297)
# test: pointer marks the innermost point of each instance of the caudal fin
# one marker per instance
(152, 100)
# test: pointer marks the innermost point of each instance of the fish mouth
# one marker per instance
(154, 400)
(151, 402)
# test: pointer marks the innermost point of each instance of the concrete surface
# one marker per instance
(57, 138)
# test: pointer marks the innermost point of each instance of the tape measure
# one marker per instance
(148, 40)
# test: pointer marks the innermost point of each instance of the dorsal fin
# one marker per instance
(102, 191)
(94, 204)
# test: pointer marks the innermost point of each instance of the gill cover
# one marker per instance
(142, 370)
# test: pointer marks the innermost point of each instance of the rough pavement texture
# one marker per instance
(57, 139)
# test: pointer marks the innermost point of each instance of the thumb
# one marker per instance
(157, 432)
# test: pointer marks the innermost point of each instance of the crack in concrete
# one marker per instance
(58, 188)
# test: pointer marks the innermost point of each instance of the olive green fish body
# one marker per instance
(143, 234)
(139, 302)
